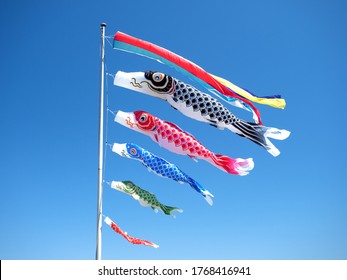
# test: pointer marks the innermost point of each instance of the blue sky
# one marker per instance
(289, 207)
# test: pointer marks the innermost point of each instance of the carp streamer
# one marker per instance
(223, 88)
(131, 239)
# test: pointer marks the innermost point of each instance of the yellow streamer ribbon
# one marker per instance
(274, 102)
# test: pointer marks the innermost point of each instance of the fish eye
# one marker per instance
(143, 117)
(158, 77)
(133, 151)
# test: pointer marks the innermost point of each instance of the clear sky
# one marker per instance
(289, 207)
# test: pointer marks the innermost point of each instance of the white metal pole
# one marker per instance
(101, 145)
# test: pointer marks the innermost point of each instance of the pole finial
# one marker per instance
(103, 24)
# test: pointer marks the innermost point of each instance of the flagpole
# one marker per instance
(101, 144)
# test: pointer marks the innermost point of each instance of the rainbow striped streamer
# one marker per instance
(214, 84)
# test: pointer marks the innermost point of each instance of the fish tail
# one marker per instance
(259, 134)
(206, 194)
(168, 209)
(237, 166)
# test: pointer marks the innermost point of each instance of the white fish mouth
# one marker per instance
(119, 186)
(127, 119)
(132, 80)
(120, 149)
(135, 81)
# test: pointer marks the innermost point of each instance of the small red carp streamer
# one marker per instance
(214, 84)
(131, 239)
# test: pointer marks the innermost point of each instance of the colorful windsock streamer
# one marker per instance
(131, 239)
(131, 44)
(159, 166)
(169, 136)
(275, 100)
(199, 106)
(145, 198)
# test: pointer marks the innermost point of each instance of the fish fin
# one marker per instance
(168, 209)
(237, 166)
(278, 134)
(200, 189)
(259, 134)
(193, 158)
(214, 124)
(148, 168)
(143, 202)
(209, 200)
(155, 209)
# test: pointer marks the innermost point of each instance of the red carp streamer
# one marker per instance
(131, 239)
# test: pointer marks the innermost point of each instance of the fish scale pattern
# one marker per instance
(143, 194)
(145, 198)
(163, 168)
(181, 139)
(203, 103)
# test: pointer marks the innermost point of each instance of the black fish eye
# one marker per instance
(143, 117)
